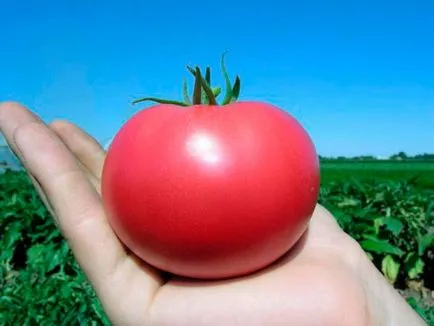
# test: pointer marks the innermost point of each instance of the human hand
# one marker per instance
(326, 279)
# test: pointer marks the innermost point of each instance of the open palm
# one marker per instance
(319, 282)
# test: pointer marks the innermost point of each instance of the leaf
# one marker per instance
(366, 212)
(185, 93)
(228, 96)
(197, 93)
(160, 101)
(379, 197)
(363, 229)
(380, 246)
(347, 202)
(208, 75)
(388, 211)
(216, 91)
(390, 268)
(425, 242)
(393, 225)
(430, 213)
(415, 305)
(236, 89)
(413, 265)
(378, 223)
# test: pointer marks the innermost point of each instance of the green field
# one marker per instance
(421, 172)
(392, 219)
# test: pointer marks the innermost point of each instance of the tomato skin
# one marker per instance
(210, 191)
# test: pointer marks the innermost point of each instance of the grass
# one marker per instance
(392, 219)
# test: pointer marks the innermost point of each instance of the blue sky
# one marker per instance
(358, 75)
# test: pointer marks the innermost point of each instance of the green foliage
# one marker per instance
(41, 283)
(392, 221)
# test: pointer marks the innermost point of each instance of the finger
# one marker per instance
(83, 145)
(8, 129)
(86, 149)
(59, 176)
(80, 214)
(8, 126)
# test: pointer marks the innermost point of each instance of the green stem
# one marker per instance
(203, 93)
(208, 75)
(209, 92)
(197, 95)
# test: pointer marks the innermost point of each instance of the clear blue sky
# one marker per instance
(358, 75)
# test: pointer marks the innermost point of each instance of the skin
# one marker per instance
(325, 280)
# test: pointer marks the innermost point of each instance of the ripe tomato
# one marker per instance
(210, 191)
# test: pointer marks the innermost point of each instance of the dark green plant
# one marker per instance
(40, 281)
(392, 221)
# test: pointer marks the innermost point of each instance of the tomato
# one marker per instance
(210, 191)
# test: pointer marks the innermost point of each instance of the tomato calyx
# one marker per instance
(203, 93)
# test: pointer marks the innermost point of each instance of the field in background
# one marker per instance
(421, 173)
(391, 218)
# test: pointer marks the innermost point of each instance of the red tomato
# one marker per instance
(210, 191)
